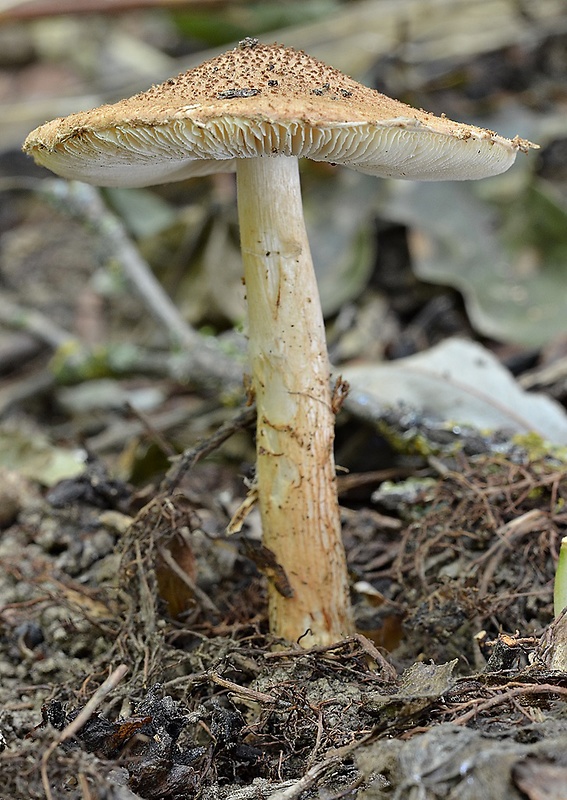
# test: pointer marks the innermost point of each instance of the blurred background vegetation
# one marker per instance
(401, 266)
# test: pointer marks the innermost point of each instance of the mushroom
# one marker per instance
(258, 109)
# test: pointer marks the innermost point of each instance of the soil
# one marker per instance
(135, 658)
(201, 701)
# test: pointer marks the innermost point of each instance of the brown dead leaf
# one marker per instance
(175, 591)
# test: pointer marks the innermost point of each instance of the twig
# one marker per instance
(123, 430)
(81, 719)
(507, 534)
(306, 781)
(333, 759)
(200, 595)
(151, 430)
(243, 691)
(507, 696)
(361, 479)
(201, 359)
(41, 327)
(371, 650)
(358, 638)
(84, 202)
(190, 457)
(85, 788)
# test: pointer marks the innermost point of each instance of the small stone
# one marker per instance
(12, 490)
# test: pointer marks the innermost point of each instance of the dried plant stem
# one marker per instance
(207, 357)
(75, 725)
(190, 457)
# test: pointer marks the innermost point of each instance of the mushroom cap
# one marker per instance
(263, 100)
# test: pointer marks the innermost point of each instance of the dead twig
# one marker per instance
(84, 203)
(527, 523)
(333, 759)
(306, 781)
(81, 719)
(200, 595)
(190, 457)
(371, 650)
(367, 646)
(243, 691)
(34, 322)
(151, 430)
(511, 692)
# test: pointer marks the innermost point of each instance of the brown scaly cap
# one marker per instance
(262, 100)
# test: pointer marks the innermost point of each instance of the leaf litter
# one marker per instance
(208, 707)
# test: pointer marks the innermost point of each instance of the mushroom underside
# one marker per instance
(141, 155)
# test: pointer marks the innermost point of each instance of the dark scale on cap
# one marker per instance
(291, 76)
(248, 41)
(231, 94)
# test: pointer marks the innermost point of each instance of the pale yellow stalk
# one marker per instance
(560, 585)
(295, 433)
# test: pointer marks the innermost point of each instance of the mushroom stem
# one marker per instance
(290, 377)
